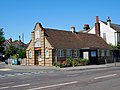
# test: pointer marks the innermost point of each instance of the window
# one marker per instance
(30, 53)
(118, 38)
(39, 56)
(68, 53)
(37, 44)
(76, 53)
(107, 53)
(102, 53)
(47, 53)
(37, 34)
(93, 53)
(60, 53)
(104, 36)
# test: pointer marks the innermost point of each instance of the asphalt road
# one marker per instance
(95, 79)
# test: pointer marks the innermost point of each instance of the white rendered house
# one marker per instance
(108, 31)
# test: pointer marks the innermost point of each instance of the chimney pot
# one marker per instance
(108, 21)
(72, 29)
(86, 27)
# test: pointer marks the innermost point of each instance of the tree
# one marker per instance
(115, 47)
(21, 53)
(11, 51)
(2, 39)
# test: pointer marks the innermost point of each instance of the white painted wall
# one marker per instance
(110, 33)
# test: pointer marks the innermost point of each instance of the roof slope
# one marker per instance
(67, 40)
(116, 27)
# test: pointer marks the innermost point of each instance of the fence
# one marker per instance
(22, 61)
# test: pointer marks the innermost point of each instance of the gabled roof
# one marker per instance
(19, 43)
(116, 27)
(60, 39)
(6, 42)
(14, 43)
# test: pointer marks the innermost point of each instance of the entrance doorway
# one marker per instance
(37, 57)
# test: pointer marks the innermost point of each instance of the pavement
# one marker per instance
(29, 67)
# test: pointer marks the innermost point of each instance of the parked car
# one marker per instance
(2, 58)
(6, 61)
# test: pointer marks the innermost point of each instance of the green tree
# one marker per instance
(11, 51)
(21, 53)
(2, 39)
(115, 47)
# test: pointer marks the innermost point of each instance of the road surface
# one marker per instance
(93, 79)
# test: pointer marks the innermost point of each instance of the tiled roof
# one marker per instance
(60, 39)
(14, 43)
(116, 27)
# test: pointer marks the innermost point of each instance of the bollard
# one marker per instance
(105, 61)
(115, 61)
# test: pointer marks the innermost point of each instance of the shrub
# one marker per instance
(84, 61)
(71, 62)
(55, 63)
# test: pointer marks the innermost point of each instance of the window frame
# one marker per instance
(60, 53)
(107, 53)
(102, 53)
(68, 52)
(47, 53)
(30, 53)
(76, 53)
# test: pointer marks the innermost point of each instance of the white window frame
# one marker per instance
(37, 34)
(68, 52)
(107, 53)
(30, 53)
(76, 53)
(104, 36)
(103, 53)
(47, 53)
(60, 53)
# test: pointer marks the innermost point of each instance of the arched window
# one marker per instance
(37, 34)
(47, 53)
(30, 53)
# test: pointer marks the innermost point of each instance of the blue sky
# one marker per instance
(20, 16)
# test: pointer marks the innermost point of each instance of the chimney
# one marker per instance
(108, 21)
(86, 27)
(97, 26)
(72, 29)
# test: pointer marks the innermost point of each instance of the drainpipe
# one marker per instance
(56, 56)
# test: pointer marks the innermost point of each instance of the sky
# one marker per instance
(19, 17)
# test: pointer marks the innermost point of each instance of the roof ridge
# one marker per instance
(55, 29)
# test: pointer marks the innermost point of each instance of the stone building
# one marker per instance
(50, 45)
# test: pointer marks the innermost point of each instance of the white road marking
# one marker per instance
(5, 69)
(21, 85)
(7, 83)
(15, 86)
(62, 84)
(4, 87)
(105, 76)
